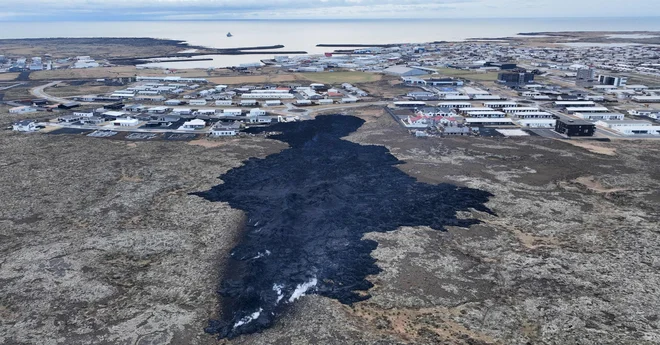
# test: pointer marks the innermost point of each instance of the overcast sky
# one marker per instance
(311, 9)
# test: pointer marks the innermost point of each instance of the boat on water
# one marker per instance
(229, 34)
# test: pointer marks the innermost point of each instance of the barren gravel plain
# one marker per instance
(101, 242)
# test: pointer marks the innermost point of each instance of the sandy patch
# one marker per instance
(592, 147)
(409, 323)
(210, 143)
(8, 76)
(592, 184)
(249, 79)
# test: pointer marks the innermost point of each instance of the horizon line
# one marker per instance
(84, 20)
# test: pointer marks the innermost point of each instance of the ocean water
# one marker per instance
(304, 35)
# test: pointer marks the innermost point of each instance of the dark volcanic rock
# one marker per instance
(308, 208)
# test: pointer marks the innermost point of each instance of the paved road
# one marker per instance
(39, 93)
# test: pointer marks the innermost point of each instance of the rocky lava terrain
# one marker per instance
(103, 242)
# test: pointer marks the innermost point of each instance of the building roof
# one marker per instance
(24, 123)
(627, 122)
(572, 120)
(494, 120)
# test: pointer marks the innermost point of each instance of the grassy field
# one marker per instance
(14, 93)
(64, 90)
(468, 74)
(253, 79)
(650, 81)
(110, 72)
(8, 76)
(341, 77)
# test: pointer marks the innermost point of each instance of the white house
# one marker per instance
(84, 113)
(627, 123)
(205, 112)
(182, 111)
(273, 103)
(197, 102)
(232, 112)
(600, 116)
(223, 102)
(193, 124)
(69, 118)
(651, 113)
(537, 123)
(646, 99)
(272, 95)
(630, 127)
(22, 110)
(173, 102)
(126, 122)
(225, 130)
(520, 110)
(248, 102)
(257, 112)
(25, 126)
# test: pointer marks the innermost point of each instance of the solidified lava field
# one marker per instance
(307, 209)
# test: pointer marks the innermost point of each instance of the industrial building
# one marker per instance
(403, 71)
(532, 115)
(489, 121)
(646, 99)
(270, 95)
(537, 123)
(612, 80)
(586, 77)
(520, 110)
(503, 104)
(485, 114)
(574, 127)
(22, 110)
(515, 79)
(455, 105)
(410, 104)
(574, 104)
(572, 110)
(600, 116)
(630, 127)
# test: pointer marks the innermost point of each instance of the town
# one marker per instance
(434, 89)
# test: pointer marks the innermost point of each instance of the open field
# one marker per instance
(341, 77)
(110, 72)
(19, 92)
(66, 90)
(256, 79)
(648, 80)
(457, 73)
(388, 87)
(8, 76)
(117, 250)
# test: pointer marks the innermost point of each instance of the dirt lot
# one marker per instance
(110, 72)
(19, 92)
(388, 87)
(254, 79)
(8, 76)
(67, 90)
(341, 77)
(101, 243)
(472, 75)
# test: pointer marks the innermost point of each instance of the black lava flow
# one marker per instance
(307, 210)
